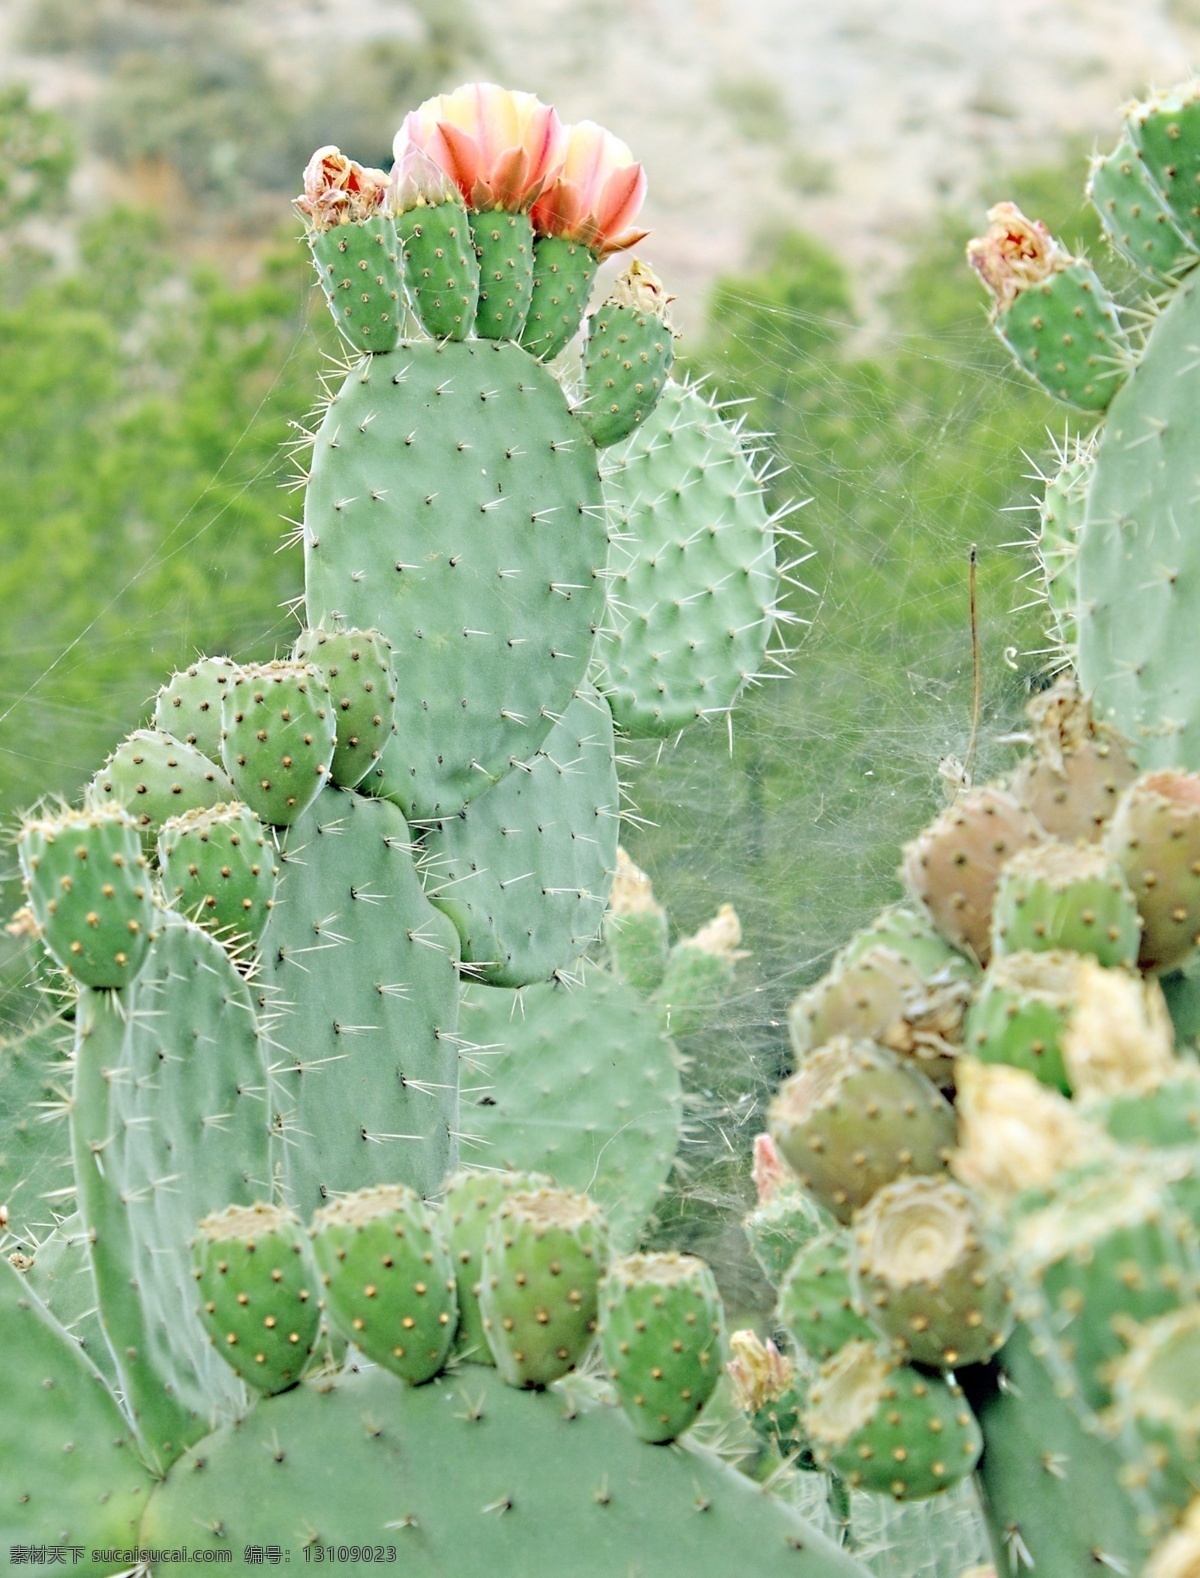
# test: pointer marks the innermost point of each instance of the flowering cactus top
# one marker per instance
(595, 195)
(499, 147)
(338, 190)
(1014, 254)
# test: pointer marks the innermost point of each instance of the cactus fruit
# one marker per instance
(908, 930)
(1063, 897)
(953, 866)
(563, 274)
(627, 355)
(472, 1199)
(855, 1118)
(1051, 310)
(636, 933)
(543, 1259)
(889, 1428)
(699, 972)
(389, 1281)
(661, 1329)
(355, 248)
(155, 777)
(928, 1276)
(1164, 1116)
(1155, 837)
(278, 732)
(1021, 1012)
(1136, 217)
(188, 707)
(257, 1296)
(1078, 768)
(89, 889)
(441, 269)
(356, 665)
(1165, 130)
(771, 1392)
(781, 1227)
(218, 867)
(817, 1305)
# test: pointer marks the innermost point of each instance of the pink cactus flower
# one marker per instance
(1014, 254)
(338, 191)
(499, 147)
(597, 193)
(770, 1172)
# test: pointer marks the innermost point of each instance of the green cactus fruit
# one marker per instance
(889, 1428)
(543, 1259)
(855, 1118)
(359, 984)
(1156, 1385)
(1069, 898)
(661, 1330)
(1074, 778)
(780, 1228)
(772, 1394)
(389, 1281)
(1108, 1249)
(817, 1306)
(455, 506)
(1165, 130)
(1021, 1013)
(952, 867)
(278, 731)
(906, 929)
(358, 265)
(89, 889)
(156, 777)
(524, 870)
(504, 246)
(578, 1081)
(219, 867)
(1155, 836)
(627, 356)
(693, 576)
(636, 931)
(563, 272)
(928, 1275)
(881, 996)
(441, 269)
(1158, 1119)
(1136, 216)
(1135, 608)
(70, 1471)
(257, 1297)
(699, 973)
(357, 667)
(35, 1151)
(472, 1200)
(188, 707)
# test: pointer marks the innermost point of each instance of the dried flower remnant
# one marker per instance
(340, 191)
(1014, 254)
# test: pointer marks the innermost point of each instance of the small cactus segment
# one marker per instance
(1021, 1012)
(699, 973)
(885, 1427)
(927, 1275)
(1136, 217)
(218, 867)
(817, 1306)
(155, 777)
(524, 870)
(855, 1118)
(661, 1328)
(543, 1259)
(1165, 130)
(636, 932)
(257, 1299)
(953, 866)
(356, 665)
(1066, 898)
(188, 707)
(693, 577)
(455, 506)
(441, 269)
(278, 735)
(1051, 310)
(1155, 837)
(627, 356)
(772, 1394)
(563, 272)
(472, 1200)
(35, 1157)
(780, 1228)
(355, 249)
(1108, 1241)
(1073, 780)
(89, 889)
(70, 1469)
(504, 246)
(908, 930)
(388, 1279)
(1157, 1390)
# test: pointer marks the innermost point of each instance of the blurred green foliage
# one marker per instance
(37, 153)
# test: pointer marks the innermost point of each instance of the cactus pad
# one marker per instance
(278, 730)
(358, 265)
(155, 777)
(188, 707)
(440, 268)
(472, 1200)
(356, 665)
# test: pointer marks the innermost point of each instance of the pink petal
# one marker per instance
(508, 178)
(459, 155)
(622, 197)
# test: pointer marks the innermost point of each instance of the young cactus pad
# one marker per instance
(472, 1200)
